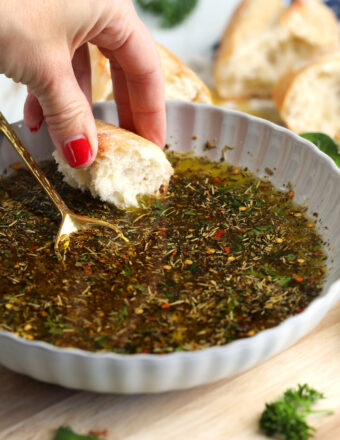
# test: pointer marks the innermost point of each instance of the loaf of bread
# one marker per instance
(264, 40)
(126, 166)
(308, 98)
(180, 81)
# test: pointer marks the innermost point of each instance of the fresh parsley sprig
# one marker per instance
(285, 418)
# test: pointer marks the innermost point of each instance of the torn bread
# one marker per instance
(126, 166)
(308, 98)
(264, 40)
(180, 81)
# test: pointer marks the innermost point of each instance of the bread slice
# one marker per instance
(308, 98)
(180, 81)
(126, 166)
(100, 75)
(264, 40)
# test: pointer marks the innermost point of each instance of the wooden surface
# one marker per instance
(227, 410)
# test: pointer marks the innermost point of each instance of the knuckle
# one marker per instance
(65, 117)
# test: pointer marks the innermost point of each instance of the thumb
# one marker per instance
(69, 117)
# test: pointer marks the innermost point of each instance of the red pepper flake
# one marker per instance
(174, 253)
(165, 306)
(117, 263)
(299, 310)
(33, 248)
(291, 194)
(299, 279)
(227, 250)
(264, 188)
(149, 318)
(220, 233)
(217, 181)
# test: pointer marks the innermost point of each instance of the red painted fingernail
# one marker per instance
(77, 151)
(35, 129)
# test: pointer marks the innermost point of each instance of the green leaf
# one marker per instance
(66, 433)
(325, 144)
(171, 12)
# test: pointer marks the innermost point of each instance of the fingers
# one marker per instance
(141, 87)
(68, 114)
(33, 114)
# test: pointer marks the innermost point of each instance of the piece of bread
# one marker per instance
(308, 98)
(126, 166)
(264, 40)
(180, 81)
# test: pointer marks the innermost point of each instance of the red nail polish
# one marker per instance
(77, 151)
(35, 129)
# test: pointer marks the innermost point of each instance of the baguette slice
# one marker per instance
(126, 166)
(252, 58)
(308, 98)
(180, 81)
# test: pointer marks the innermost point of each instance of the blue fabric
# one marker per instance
(335, 5)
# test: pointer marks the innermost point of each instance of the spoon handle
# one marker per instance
(32, 165)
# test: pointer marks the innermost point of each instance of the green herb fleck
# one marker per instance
(124, 313)
(126, 272)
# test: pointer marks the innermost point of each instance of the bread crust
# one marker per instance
(307, 27)
(175, 70)
(126, 166)
(312, 21)
(250, 19)
(111, 137)
(180, 81)
(285, 85)
(242, 25)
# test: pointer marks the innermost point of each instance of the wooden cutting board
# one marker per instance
(227, 410)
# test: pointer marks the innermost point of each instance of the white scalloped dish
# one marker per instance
(258, 145)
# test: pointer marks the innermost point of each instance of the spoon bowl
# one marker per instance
(70, 222)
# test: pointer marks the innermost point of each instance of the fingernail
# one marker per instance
(35, 129)
(77, 151)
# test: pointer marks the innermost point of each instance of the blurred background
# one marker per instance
(194, 40)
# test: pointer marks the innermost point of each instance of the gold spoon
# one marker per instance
(70, 221)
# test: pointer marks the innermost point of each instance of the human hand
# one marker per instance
(44, 45)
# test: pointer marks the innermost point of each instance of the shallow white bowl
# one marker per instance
(258, 145)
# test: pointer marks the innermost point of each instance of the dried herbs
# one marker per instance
(221, 257)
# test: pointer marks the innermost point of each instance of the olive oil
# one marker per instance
(223, 256)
